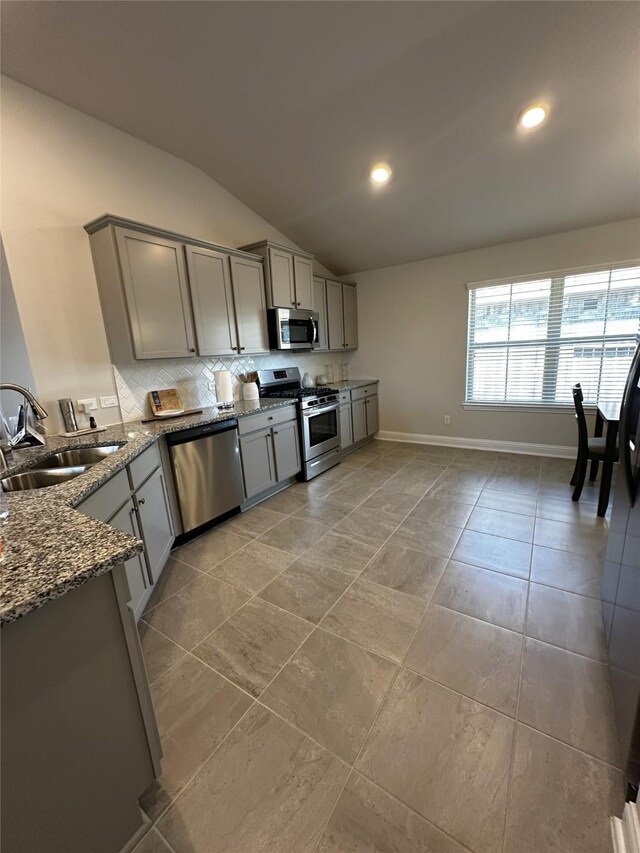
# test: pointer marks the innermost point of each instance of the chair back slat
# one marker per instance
(583, 432)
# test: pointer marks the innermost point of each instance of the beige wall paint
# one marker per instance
(60, 169)
(413, 329)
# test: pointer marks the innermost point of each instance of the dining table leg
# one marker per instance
(607, 467)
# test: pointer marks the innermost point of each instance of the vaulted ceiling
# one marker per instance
(289, 104)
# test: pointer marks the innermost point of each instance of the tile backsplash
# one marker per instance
(192, 377)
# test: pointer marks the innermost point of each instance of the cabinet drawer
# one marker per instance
(345, 397)
(144, 465)
(366, 391)
(107, 500)
(251, 423)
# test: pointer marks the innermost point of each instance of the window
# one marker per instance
(529, 342)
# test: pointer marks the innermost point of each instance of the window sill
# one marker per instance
(542, 408)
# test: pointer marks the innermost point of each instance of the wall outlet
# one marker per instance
(87, 405)
(447, 419)
(211, 385)
(107, 402)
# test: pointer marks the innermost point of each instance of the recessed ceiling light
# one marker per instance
(533, 116)
(380, 173)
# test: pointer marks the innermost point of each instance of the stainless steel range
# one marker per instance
(318, 417)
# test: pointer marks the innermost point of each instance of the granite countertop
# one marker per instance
(49, 546)
(348, 384)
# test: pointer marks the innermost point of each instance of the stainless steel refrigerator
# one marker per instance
(621, 584)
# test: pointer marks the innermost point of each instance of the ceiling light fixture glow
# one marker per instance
(380, 173)
(533, 116)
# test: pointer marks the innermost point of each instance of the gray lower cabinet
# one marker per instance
(346, 432)
(258, 462)
(136, 501)
(271, 454)
(286, 449)
(136, 568)
(373, 423)
(359, 420)
(154, 515)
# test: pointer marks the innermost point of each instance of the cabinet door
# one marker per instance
(154, 516)
(372, 414)
(136, 569)
(281, 279)
(214, 314)
(251, 306)
(335, 326)
(359, 418)
(346, 433)
(350, 308)
(320, 305)
(157, 295)
(287, 450)
(303, 274)
(258, 464)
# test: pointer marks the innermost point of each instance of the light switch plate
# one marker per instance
(107, 402)
(87, 405)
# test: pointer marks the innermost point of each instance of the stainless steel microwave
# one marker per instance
(292, 329)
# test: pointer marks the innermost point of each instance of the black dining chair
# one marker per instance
(589, 449)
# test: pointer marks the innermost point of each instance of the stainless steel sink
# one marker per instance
(79, 456)
(41, 477)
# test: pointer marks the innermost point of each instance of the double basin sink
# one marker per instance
(57, 468)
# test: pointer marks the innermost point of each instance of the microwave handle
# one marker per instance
(311, 331)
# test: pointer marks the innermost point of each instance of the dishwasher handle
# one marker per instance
(193, 434)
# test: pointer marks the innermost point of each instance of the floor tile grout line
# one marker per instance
(570, 746)
(357, 772)
(512, 758)
(392, 681)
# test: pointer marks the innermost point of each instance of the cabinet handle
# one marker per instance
(141, 500)
(193, 349)
(270, 418)
(293, 302)
(298, 304)
(275, 432)
(241, 349)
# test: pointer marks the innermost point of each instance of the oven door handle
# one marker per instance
(308, 412)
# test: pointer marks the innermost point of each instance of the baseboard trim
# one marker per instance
(558, 451)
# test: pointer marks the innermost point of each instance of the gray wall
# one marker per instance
(413, 332)
(14, 358)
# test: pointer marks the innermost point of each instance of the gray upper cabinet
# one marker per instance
(303, 275)
(251, 309)
(320, 305)
(350, 311)
(335, 322)
(281, 278)
(214, 313)
(342, 315)
(157, 295)
(289, 275)
(166, 296)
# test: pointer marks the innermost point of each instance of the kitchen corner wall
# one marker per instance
(413, 332)
(61, 169)
(191, 376)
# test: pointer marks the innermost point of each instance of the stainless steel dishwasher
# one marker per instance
(207, 472)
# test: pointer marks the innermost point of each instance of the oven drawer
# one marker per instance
(366, 391)
(270, 418)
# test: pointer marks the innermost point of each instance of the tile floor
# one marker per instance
(405, 654)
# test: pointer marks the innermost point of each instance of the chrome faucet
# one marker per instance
(38, 411)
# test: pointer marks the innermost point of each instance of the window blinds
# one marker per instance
(529, 342)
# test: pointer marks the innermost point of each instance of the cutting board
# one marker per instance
(182, 414)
